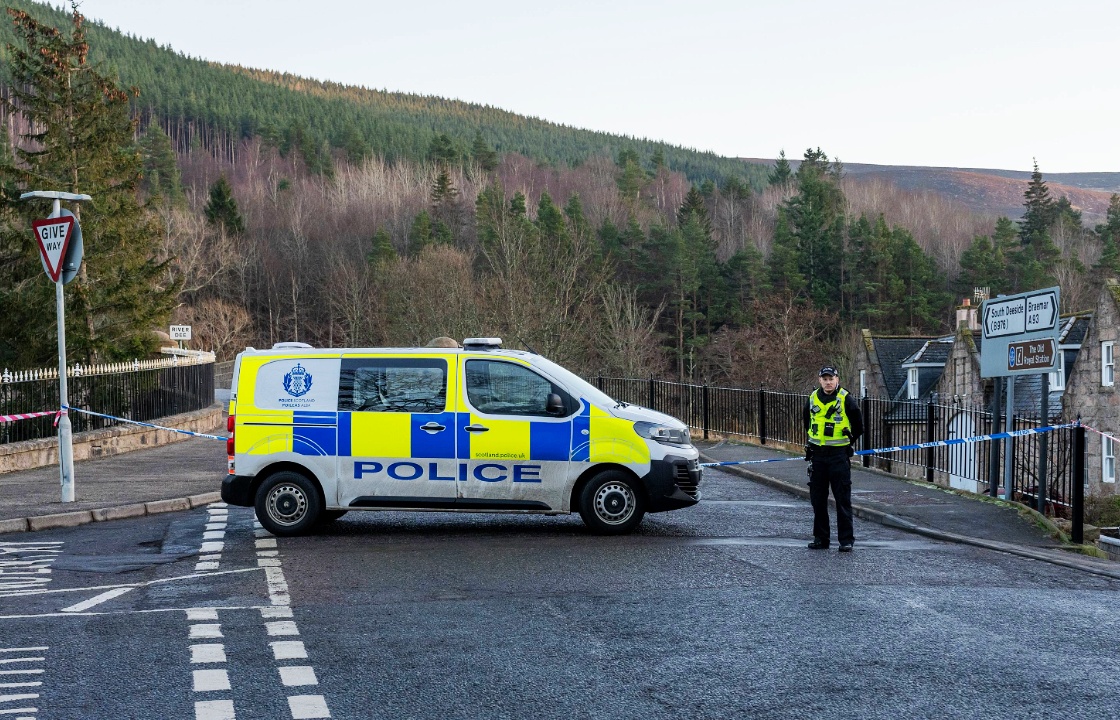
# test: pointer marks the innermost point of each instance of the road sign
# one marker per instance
(180, 332)
(1037, 355)
(1020, 334)
(53, 237)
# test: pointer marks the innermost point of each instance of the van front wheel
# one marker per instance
(287, 504)
(611, 504)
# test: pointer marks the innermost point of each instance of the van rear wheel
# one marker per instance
(611, 504)
(288, 504)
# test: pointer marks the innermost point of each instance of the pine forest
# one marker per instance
(259, 207)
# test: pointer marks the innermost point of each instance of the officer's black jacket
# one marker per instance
(851, 409)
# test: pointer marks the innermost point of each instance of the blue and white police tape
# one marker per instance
(917, 446)
(144, 424)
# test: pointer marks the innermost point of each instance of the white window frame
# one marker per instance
(1108, 364)
(912, 383)
(1058, 376)
(863, 383)
(1108, 460)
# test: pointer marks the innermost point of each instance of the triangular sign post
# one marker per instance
(53, 235)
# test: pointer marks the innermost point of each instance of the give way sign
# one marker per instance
(53, 235)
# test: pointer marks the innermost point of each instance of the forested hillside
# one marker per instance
(212, 106)
(617, 260)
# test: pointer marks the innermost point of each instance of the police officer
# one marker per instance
(834, 423)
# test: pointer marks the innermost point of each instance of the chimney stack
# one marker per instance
(967, 315)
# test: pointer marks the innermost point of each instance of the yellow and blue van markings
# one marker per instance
(400, 435)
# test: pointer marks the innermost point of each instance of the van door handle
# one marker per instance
(476, 428)
(432, 427)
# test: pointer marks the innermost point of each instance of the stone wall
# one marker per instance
(1098, 406)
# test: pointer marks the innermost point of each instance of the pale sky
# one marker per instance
(982, 83)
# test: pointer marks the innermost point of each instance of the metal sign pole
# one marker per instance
(65, 432)
(56, 272)
(1008, 492)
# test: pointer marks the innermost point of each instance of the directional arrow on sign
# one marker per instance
(53, 236)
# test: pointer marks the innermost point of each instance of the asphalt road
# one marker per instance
(716, 611)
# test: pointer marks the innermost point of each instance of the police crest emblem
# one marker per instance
(298, 381)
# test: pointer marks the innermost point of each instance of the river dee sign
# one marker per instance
(1020, 334)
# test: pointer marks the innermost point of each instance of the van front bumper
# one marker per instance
(238, 490)
(673, 483)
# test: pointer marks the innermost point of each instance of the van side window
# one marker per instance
(502, 388)
(412, 385)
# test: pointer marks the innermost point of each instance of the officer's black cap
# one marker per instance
(829, 370)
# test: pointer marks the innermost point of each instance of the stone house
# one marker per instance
(1093, 393)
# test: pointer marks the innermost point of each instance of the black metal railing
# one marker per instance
(767, 416)
(144, 395)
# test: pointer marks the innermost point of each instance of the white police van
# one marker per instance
(315, 433)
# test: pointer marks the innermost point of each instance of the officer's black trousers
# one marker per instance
(835, 471)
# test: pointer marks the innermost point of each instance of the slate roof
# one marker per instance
(892, 352)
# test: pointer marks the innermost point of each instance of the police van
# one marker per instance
(315, 433)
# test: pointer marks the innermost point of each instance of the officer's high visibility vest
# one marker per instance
(828, 421)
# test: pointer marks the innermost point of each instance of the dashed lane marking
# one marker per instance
(214, 710)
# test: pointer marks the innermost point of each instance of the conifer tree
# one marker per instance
(381, 250)
(81, 141)
(161, 169)
(781, 175)
(1040, 208)
(1108, 266)
(221, 209)
(483, 154)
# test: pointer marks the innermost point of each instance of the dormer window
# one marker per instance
(912, 381)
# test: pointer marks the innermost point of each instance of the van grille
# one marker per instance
(687, 478)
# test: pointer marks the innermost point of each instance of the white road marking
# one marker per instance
(208, 653)
(146, 583)
(288, 650)
(216, 526)
(21, 672)
(206, 630)
(212, 546)
(306, 707)
(268, 562)
(202, 614)
(24, 659)
(281, 627)
(20, 710)
(272, 612)
(213, 535)
(295, 675)
(13, 698)
(214, 710)
(267, 553)
(14, 685)
(26, 565)
(207, 565)
(97, 600)
(266, 543)
(211, 680)
(37, 648)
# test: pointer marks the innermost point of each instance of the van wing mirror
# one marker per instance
(555, 404)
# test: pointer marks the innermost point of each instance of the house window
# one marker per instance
(1108, 364)
(863, 383)
(913, 380)
(1108, 460)
(1058, 377)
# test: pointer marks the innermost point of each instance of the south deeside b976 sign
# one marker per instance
(1020, 334)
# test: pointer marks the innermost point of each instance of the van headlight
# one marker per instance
(663, 433)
